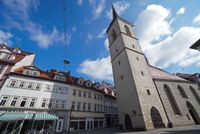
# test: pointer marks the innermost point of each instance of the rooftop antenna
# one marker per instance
(64, 8)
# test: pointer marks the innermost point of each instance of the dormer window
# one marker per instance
(17, 50)
(28, 72)
(35, 73)
(80, 81)
(59, 77)
(114, 35)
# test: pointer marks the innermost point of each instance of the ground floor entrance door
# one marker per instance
(59, 126)
(89, 123)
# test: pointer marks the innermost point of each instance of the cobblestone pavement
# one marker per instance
(178, 130)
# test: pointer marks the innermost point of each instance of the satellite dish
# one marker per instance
(66, 61)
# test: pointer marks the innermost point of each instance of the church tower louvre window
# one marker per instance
(127, 30)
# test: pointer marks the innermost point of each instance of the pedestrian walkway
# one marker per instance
(178, 130)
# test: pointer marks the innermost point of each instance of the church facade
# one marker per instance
(147, 97)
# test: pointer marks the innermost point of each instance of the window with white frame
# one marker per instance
(84, 106)
(50, 105)
(49, 88)
(21, 85)
(30, 85)
(89, 106)
(14, 101)
(95, 107)
(89, 94)
(28, 72)
(37, 87)
(4, 100)
(23, 102)
(44, 103)
(56, 103)
(32, 103)
(78, 106)
(65, 90)
(74, 92)
(79, 93)
(63, 105)
(84, 93)
(2, 68)
(73, 105)
(35, 73)
(12, 83)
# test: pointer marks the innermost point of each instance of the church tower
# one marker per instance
(139, 104)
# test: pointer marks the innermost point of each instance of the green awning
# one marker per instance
(45, 116)
(15, 116)
(27, 116)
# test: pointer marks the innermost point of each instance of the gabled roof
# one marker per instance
(161, 74)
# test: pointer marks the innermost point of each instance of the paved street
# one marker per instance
(178, 130)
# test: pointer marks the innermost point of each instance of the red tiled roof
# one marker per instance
(161, 74)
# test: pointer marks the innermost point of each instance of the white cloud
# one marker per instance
(120, 7)
(99, 69)
(5, 37)
(106, 44)
(19, 9)
(152, 25)
(181, 11)
(79, 2)
(102, 33)
(197, 19)
(162, 47)
(97, 7)
(49, 38)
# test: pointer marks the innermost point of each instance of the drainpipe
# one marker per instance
(169, 125)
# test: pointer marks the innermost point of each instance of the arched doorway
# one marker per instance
(128, 122)
(193, 113)
(156, 118)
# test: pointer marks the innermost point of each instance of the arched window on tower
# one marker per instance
(113, 34)
(196, 96)
(172, 100)
(128, 32)
(182, 92)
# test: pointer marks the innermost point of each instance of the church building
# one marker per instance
(147, 97)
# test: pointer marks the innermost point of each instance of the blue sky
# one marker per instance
(165, 30)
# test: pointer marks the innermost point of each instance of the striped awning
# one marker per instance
(15, 116)
(45, 116)
(27, 116)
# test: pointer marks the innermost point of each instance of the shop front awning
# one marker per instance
(45, 116)
(15, 116)
(27, 116)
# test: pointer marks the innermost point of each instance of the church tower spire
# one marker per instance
(135, 89)
(114, 12)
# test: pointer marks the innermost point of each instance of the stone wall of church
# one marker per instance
(185, 117)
